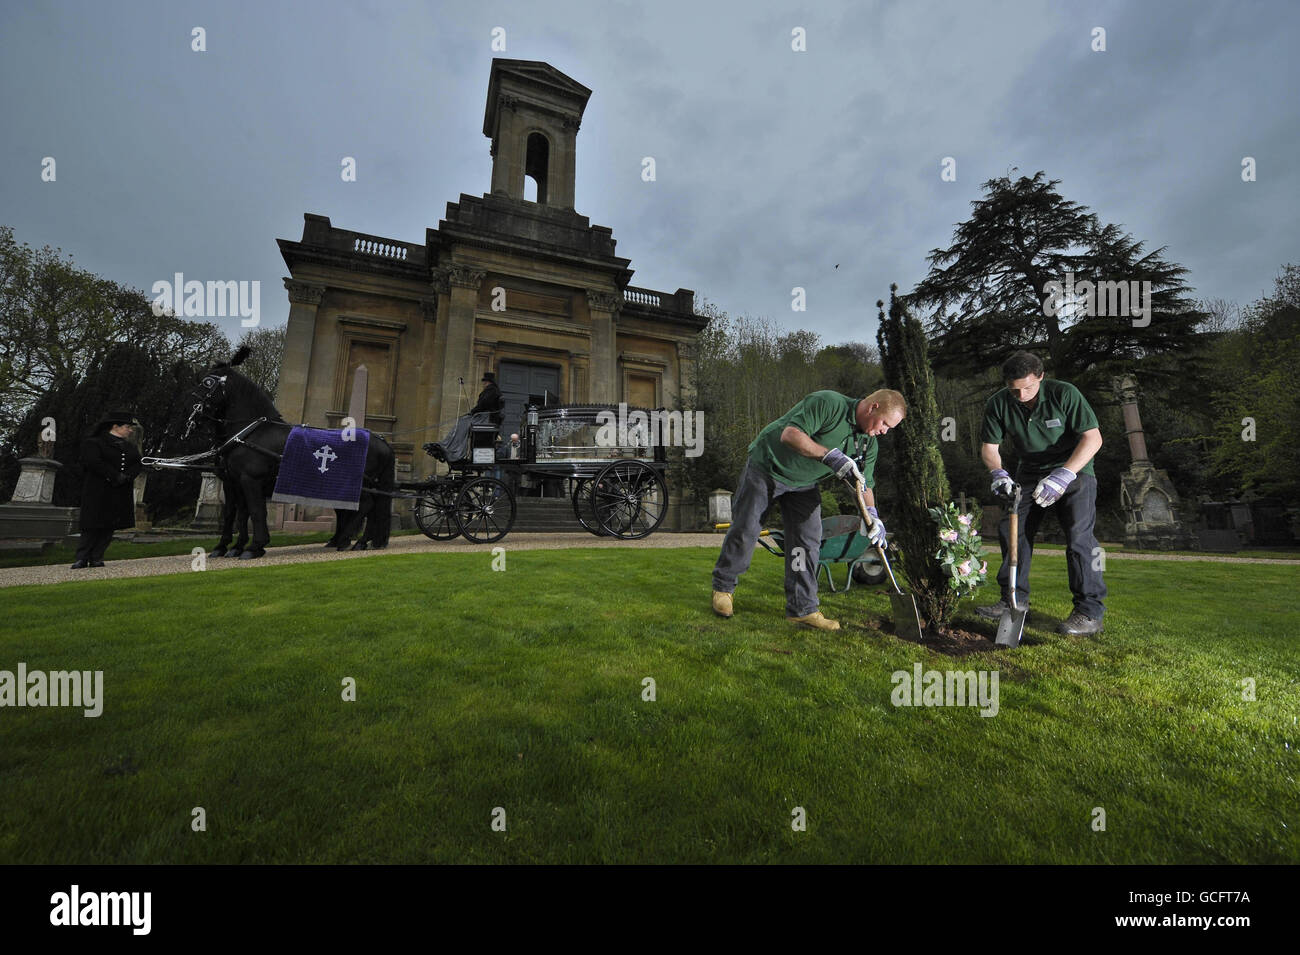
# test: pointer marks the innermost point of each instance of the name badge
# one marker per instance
(1054, 423)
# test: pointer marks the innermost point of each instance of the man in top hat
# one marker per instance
(110, 462)
(490, 399)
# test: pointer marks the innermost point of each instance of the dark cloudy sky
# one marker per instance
(773, 165)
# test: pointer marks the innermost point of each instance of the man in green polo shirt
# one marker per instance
(786, 460)
(1055, 434)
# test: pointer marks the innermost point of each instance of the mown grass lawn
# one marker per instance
(523, 690)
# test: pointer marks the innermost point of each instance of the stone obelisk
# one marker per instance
(357, 402)
(1148, 497)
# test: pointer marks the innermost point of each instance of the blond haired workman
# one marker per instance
(786, 460)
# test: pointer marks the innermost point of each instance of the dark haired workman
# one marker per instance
(111, 463)
(1055, 434)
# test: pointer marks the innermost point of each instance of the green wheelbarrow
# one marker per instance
(841, 543)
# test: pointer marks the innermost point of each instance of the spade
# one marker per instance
(1011, 626)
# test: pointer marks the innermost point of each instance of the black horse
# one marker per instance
(234, 516)
(232, 404)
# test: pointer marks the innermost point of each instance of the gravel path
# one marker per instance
(419, 544)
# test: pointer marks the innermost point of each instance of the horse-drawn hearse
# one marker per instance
(614, 475)
(616, 486)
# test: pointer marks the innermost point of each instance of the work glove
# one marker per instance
(1002, 483)
(1051, 488)
(876, 532)
(843, 466)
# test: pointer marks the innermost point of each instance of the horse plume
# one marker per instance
(239, 356)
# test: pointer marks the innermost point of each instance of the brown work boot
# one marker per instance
(722, 604)
(815, 621)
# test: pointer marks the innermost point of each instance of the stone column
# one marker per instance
(1147, 496)
(432, 346)
(508, 156)
(457, 341)
(1126, 389)
(603, 307)
(564, 173)
(291, 393)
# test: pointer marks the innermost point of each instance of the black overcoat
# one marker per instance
(490, 399)
(110, 465)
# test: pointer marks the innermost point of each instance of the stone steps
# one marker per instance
(553, 515)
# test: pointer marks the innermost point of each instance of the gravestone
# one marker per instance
(30, 515)
(207, 512)
(719, 507)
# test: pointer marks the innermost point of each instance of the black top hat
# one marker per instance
(489, 376)
(111, 418)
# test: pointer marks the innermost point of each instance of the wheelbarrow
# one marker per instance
(840, 544)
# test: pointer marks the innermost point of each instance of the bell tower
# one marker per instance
(532, 117)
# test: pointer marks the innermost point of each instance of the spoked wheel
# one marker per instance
(629, 499)
(435, 512)
(485, 510)
(582, 507)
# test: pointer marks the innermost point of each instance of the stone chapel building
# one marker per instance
(420, 315)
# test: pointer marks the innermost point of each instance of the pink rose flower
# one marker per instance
(964, 569)
(966, 519)
(949, 536)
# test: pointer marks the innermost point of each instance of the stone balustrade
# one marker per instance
(386, 248)
(643, 296)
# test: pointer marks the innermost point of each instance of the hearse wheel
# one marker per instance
(435, 512)
(629, 499)
(582, 507)
(485, 510)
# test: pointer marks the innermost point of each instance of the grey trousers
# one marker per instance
(801, 512)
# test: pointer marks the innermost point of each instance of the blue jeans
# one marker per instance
(1077, 512)
(801, 513)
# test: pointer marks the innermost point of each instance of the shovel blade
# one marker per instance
(907, 621)
(1011, 627)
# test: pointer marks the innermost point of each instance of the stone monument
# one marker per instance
(31, 515)
(1149, 500)
(207, 512)
(719, 507)
(142, 522)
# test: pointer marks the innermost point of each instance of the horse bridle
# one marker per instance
(211, 387)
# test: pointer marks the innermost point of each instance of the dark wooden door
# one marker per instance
(523, 384)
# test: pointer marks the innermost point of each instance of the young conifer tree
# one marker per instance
(919, 476)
